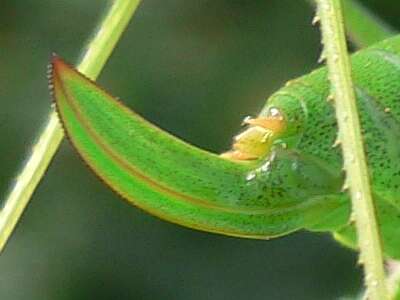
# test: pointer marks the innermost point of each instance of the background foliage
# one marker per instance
(195, 68)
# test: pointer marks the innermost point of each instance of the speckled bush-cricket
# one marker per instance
(283, 172)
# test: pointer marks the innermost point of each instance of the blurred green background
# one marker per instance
(195, 68)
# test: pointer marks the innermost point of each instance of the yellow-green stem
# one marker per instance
(335, 51)
(95, 57)
(363, 27)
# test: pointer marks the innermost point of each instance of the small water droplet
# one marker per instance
(316, 20)
(289, 83)
(251, 176)
(322, 57)
(336, 143)
(352, 218)
(330, 97)
(265, 167)
(245, 120)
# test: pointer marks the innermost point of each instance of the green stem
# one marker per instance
(363, 27)
(98, 51)
(335, 51)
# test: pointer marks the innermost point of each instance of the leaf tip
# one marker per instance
(56, 64)
(54, 71)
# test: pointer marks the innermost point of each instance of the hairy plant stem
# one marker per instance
(350, 137)
(363, 27)
(95, 57)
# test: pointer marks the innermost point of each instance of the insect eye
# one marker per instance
(274, 112)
